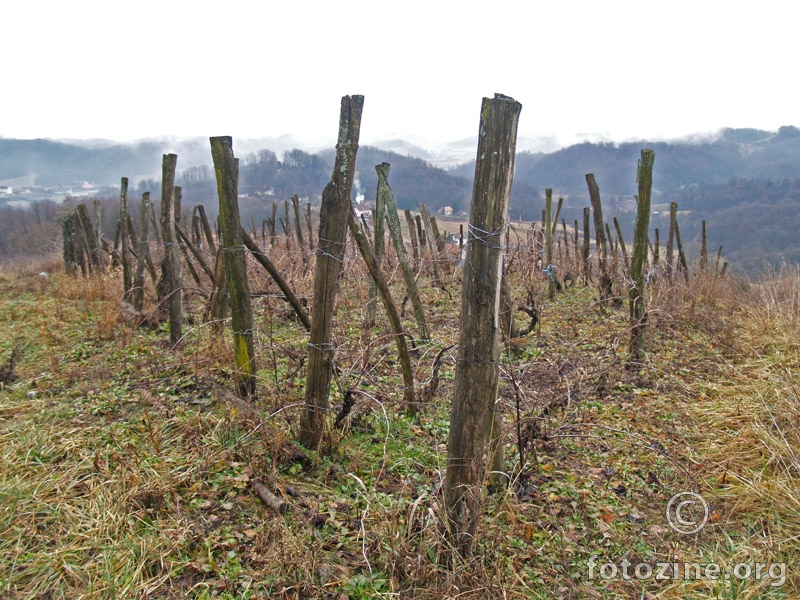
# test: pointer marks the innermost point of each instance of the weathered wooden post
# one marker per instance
(125, 255)
(673, 221)
(656, 247)
(585, 247)
(600, 237)
(298, 226)
(703, 246)
(265, 262)
(681, 255)
(201, 212)
(638, 316)
(412, 233)
(93, 246)
(169, 287)
(473, 417)
(273, 223)
(548, 243)
(143, 251)
(68, 231)
(622, 246)
(409, 398)
(309, 227)
(332, 239)
(227, 172)
(387, 198)
(378, 246)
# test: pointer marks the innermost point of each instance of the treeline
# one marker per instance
(33, 231)
(263, 178)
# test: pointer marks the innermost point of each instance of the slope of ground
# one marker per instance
(127, 470)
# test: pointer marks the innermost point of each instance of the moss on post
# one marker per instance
(638, 315)
(226, 168)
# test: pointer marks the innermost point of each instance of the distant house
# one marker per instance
(447, 211)
(363, 208)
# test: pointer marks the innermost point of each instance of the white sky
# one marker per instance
(600, 69)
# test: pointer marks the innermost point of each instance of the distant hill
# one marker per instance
(45, 162)
(739, 180)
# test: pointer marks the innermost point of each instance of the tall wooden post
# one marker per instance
(387, 198)
(585, 247)
(703, 246)
(332, 239)
(623, 248)
(638, 316)
(227, 172)
(125, 254)
(473, 416)
(309, 227)
(170, 285)
(380, 215)
(412, 233)
(600, 237)
(673, 221)
(143, 250)
(391, 311)
(298, 227)
(548, 242)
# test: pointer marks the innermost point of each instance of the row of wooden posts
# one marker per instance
(475, 426)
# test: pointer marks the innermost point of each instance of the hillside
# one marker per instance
(741, 176)
(130, 470)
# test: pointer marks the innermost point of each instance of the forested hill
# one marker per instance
(744, 182)
(743, 153)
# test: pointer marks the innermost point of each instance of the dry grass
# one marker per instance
(126, 466)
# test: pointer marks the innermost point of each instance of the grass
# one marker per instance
(125, 465)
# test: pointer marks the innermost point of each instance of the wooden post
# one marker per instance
(387, 198)
(585, 248)
(288, 293)
(473, 416)
(170, 284)
(143, 250)
(309, 227)
(548, 243)
(93, 246)
(703, 246)
(332, 239)
(201, 211)
(431, 242)
(287, 226)
(391, 311)
(673, 221)
(98, 223)
(412, 233)
(622, 246)
(273, 224)
(127, 272)
(600, 237)
(68, 230)
(378, 245)
(182, 235)
(656, 247)
(218, 304)
(638, 315)
(681, 255)
(298, 227)
(226, 168)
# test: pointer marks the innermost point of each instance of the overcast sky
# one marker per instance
(581, 69)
